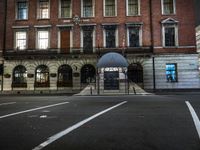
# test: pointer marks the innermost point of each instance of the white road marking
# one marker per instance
(10, 103)
(77, 125)
(34, 109)
(194, 117)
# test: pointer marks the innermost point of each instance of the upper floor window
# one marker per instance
(110, 8)
(168, 7)
(132, 7)
(87, 39)
(43, 39)
(22, 10)
(170, 32)
(87, 8)
(65, 8)
(20, 40)
(134, 36)
(110, 38)
(43, 9)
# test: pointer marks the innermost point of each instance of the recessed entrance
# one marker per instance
(111, 80)
(135, 73)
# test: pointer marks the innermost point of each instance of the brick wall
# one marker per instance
(184, 16)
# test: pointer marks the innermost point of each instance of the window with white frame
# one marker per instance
(43, 39)
(110, 36)
(134, 36)
(43, 9)
(168, 7)
(171, 72)
(20, 40)
(87, 39)
(65, 8)
(110, 8)
(22, 10)
(87, 8)
(170, 35)
(132, 7)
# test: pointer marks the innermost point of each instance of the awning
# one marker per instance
(112, 59)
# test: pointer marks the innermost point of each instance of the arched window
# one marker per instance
(88, 74)
(135, 73)
(42, 76)
(19, 76)
(64, 76)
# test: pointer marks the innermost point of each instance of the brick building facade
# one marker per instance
(54, 45)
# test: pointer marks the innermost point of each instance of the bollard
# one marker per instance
(134, 90)
(90, 90)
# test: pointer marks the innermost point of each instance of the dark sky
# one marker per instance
(197, 8)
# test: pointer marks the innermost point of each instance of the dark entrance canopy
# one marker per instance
(112, 59)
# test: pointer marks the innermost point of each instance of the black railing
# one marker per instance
(56, 52)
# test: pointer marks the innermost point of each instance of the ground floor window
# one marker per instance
(19, 76)
(42, 76)
(171, 72)
(64, 76)
(88, 74)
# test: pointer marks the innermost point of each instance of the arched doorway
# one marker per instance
(64, 76)
(19, 76)
(135, 73)
(88, 74)
(42, 76)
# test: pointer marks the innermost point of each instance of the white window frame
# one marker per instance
(93, 42)
(60, 10)
(176, 35)
(116, 37)
(127, 8)
(71, 38)
(93, 9)
(140, 36)
(16, 9)
(104, 12)
(38, 10)
(174, 7)
(15, 39)
(37, 39)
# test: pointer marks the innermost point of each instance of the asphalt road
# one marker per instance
(152, 122)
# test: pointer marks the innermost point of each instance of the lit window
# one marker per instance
(20, 40)
(171, 73)
(22, 10)
(43, 39)
(87, 8)
(110, 8)
(133, 7)
(168, 7)
(19, 75)
(43, 9)
(65, 8)
(42, 76)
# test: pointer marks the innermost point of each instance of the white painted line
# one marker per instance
(194, 117)
(34, 109)
(10, 103)
(70, 129)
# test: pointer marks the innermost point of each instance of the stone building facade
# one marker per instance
(54, 45)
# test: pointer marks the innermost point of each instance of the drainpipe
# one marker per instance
(152, 42)
(4, 39)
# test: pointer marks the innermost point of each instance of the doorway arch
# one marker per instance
(135, 73)
(88, 74)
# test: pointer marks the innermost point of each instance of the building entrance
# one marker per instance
(111, 80)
